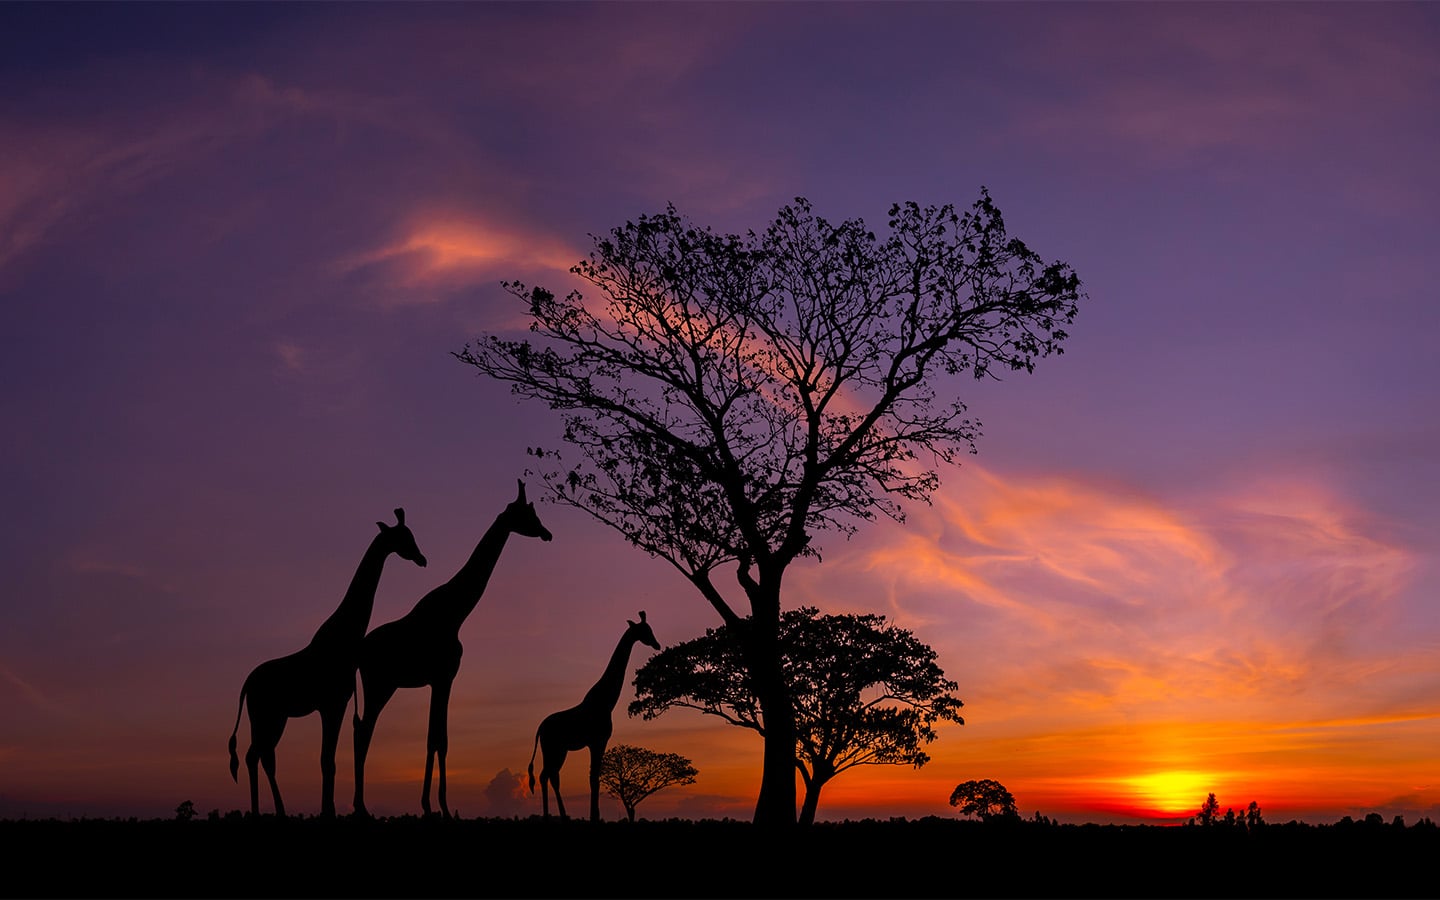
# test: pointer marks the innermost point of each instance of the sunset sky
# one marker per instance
(1198, 552)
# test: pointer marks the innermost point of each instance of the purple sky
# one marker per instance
(239, 242)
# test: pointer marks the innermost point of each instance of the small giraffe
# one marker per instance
(319, 677)
(587, 725)
(423, 648)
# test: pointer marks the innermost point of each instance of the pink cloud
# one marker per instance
(437, 253)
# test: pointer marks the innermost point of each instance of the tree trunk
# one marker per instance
(812, 800)
(776, 804)
(775, 807)
(813, 784)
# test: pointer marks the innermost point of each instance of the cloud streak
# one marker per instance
(438, 255)
(1061, 605)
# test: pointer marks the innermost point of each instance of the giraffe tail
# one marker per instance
(235, 760)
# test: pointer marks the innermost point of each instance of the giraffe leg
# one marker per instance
(330, 720)
(375, 697)
(597, 752)
(551, 761)
(436, 744)
(267, 759)
(265, 732)
(559, 803)
(252, 760)
(429, 770)
(439, 741)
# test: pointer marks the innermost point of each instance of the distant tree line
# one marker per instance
(1209, 815)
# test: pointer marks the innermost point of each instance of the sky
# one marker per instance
(1199, 552)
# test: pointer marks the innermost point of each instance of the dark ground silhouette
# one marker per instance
(586, 725)
(435, 857)
(422, 648)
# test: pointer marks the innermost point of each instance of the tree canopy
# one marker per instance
(864, 693)
(986, 799)
(630, 774)
(732, 397)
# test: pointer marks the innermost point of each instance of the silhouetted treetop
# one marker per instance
(788, 376)
(1209, 810)
(986, 799)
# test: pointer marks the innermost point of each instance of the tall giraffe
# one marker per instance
(319, 677)
(587, 725)
(423, 648)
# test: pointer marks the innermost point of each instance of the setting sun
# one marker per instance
(1173, 793)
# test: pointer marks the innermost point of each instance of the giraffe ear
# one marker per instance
(383, 526)
(520, 498)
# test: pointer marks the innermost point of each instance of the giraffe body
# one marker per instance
(422, 649)
(319, 678)
(587, 725)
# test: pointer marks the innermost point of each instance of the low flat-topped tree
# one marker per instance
(864, 693)
(630, 774)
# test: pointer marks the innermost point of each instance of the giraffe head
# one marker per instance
(521, 519)
(641, 632)
(400, 541)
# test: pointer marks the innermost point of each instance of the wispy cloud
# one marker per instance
(1064, 606)
(437, 255)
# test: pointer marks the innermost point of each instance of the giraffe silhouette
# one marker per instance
(423, 648)
(319, 677)
(587, 725)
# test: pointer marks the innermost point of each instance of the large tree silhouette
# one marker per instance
(732, 397)
(864, 693)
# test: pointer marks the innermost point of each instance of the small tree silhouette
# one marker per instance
(986, 799)
(185, 811)
(630, 774)
(1253, 819)
(1209, 810)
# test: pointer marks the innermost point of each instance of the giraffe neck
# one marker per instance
(347, 624)
(465, 589)
(606, 692)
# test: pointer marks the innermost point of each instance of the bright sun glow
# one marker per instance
(1171, 793)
